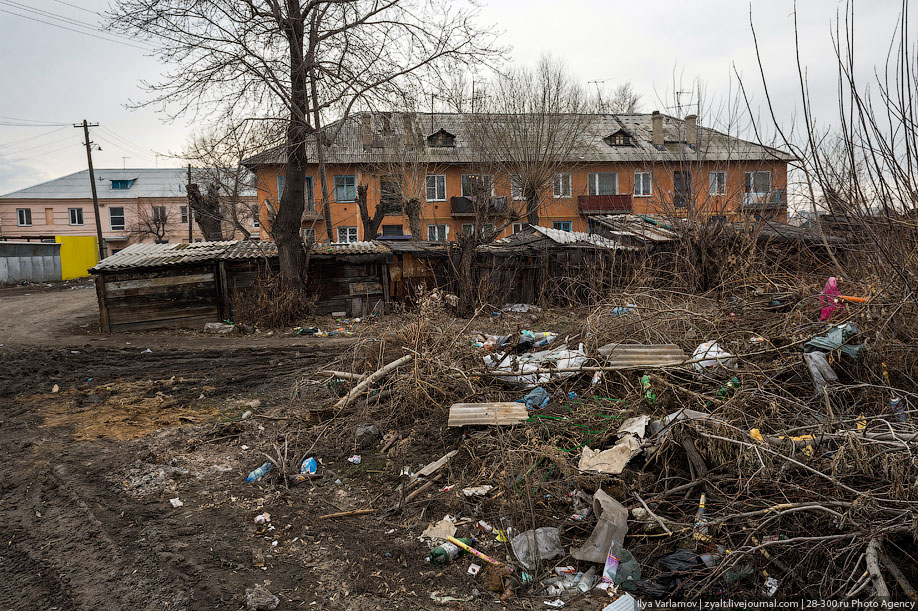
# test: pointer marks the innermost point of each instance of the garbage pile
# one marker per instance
(676, 447)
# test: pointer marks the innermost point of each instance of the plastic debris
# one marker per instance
(355, 459)
(555, 604)
(477, 490)
(176, 502)
(771, 586)
(537, 398)
(820, 370)
(448, 551)
(259, 473)
(710, 356)
(262, 518)
(309, 466)
(521, 308)
(147, 351)
(534, 545)
(836, 337)
(611, 461)
(625, 602)
(55, 388)
(622, 310)
(612, 526)
(474, 569)
(829, 299)
(443, 599)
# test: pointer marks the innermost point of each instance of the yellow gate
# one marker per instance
(78, 254)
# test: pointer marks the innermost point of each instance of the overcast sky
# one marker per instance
(54, 77)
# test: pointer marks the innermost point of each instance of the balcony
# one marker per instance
(468, 206)
(770, 200)
(604, 204)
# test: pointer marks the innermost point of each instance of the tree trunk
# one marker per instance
(413, 212)
(466, 273)
(370, 223)
(206, 212)
(287, 225)
(532, 208)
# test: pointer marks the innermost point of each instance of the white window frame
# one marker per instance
(349, 231)
(111, 216)
(24, 217)
(183, 214)
(161, 212)
(518, 227)
(439, 184)
(75, 215)
(256, 212)
(335, 183)
(437, 232)
(468, 229)
(717, 182)
(750, 196)
(462, 183)
(570, 225)
(593, 186)
(516, 188)
(561, 185)
(639, 178)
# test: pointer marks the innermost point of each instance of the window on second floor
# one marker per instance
(346, 188)
(516, 187)
(517, 227)
(758, 182)
(603, 183)
(561, 225)
(468, 229)
(159, 215)
(116, 218)
(561, 185)
(477, 185)
(393, 230)
(183, 214)
(437, 233)
(642, 184)
(256, 221)
(347, 234)
(436, 188)
(24, 217)
(76, 216)
(718, 183)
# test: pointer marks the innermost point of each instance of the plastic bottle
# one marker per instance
(585, 584)
(545, 339)
(649, 395)
(701, 524)
(622, 310)
(258, 473)
(447, 552)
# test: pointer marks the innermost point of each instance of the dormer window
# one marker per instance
(121, 184)
(441, 138)
(619, 138)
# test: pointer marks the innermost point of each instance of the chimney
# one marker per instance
(366, 130)
(657, 120)
(410, 138)
(691, 130)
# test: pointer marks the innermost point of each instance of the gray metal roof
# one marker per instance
(636, 227)
(534, 235)
(389, 142)
(146, 182)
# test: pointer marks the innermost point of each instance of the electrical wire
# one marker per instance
(9, 161)
(63, 27)
(123, 149)
(111, 134)
(79, 7)
(29, 138)
(35, 146)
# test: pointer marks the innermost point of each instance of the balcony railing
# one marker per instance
(770, 199)
(604, 204)
(468, 206)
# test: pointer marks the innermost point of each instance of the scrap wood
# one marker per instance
(344, 375)
(344, 514)
(899, 576)
(873, 566)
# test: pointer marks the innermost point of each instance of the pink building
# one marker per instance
(137, 205)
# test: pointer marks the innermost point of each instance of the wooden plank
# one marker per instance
(103, 307)
(482, 414)
(161, 290)
(362, 288)
(163, 281)
(127, 317)
(186, 323)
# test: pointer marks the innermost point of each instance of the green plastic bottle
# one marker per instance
(447, 552)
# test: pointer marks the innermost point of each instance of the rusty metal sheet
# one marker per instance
(483, 414)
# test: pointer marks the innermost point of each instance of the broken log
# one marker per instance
(370, 379)
(344, 375)
(873, 567)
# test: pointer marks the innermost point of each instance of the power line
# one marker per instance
(110, 133)
(63, 27)
(48, 123)
(35, 146)
(64, 18)
(79, 7)
(29, 138)
(120, 147)
(9, 161)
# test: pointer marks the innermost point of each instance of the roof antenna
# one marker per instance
(124, 162)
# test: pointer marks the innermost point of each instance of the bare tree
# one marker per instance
(621, 100)
(299, 61)
(152, 222)
(225, 207)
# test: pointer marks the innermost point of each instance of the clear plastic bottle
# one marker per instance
(258, 473)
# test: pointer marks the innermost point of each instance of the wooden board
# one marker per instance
(626, 355)
(362, 288)
(483, 414)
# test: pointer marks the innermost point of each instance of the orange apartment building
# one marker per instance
(650, 164)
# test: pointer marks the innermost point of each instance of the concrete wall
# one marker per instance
(35, 262)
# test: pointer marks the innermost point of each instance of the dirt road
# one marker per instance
(98, 436)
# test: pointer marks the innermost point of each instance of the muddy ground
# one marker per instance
(100, 432)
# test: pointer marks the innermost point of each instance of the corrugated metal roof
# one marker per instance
(636, 227)
(146, 182)
(350, 248)
(532, 235)
(389, 142)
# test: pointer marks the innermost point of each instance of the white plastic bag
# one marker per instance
(710, 356)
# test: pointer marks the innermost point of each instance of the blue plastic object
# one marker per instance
(537, 398)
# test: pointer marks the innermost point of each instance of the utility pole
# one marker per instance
(188, 190)
(92, 183)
